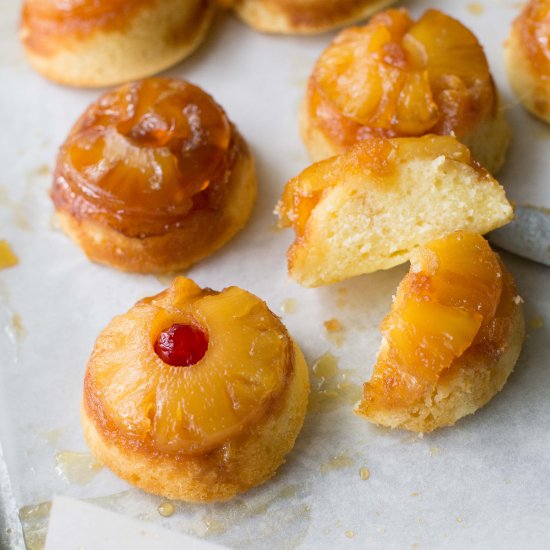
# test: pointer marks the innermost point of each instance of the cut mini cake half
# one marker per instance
(451, 339)
(371, 207)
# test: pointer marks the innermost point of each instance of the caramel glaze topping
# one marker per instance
(145, 155)
(139, 402)
(533, 25)
(46, 20)
(398, 78)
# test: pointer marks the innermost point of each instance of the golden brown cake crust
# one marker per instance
(528, 60)
(199, 235)
(158, 189)
(126, 426)
(144, 38)
(304, 16)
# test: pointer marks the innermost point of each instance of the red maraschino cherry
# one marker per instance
(181, 345)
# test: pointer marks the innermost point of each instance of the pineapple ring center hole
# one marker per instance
(181, 345)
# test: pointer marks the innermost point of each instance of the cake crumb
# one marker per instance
(8, 257)
(350, 534)
(335, 331)
(364, 473)
(289, 305)
(333, 325)
(415, 494)
(476, 8)
(536, 322)
(518, 300)
(434, 451)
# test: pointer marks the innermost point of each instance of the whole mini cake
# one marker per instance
(396, 77)
(105, 42)
(451, 339)
(195, 394)
(153, 177)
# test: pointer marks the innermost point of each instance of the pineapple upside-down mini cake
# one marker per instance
(372, 206)
(195, 394)
(105, 42)
(396, 77)
(527, 54)
(451, 339)
(303, 16)
(153, 177)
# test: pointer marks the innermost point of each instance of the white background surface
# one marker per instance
(483, 483)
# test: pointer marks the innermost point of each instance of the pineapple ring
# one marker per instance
(207, 430)
(528, 58)
(396, 77)
(451, 339)
(96, 43)
(153, 177)
(303, 16)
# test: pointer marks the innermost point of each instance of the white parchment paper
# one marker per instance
(484, 483)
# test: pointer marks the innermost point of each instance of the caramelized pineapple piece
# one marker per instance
(145, 152)
(370, 77)
(190, 408)
(393, 75)
(456, 302)
(426, 336)
(8, 257)
(396, 77)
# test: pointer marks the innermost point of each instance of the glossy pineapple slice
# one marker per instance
(396, 77)
(370, 75)
(190, 409)
(446, 308)
(149, 153)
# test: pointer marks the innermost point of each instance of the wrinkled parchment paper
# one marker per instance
(484, 483)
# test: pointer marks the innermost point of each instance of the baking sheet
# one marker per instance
(483, 483)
